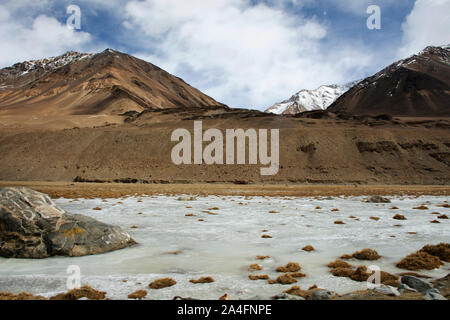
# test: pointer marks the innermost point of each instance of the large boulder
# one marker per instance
(32, 226)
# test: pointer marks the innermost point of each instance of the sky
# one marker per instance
(244, 53)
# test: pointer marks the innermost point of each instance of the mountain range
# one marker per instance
(416, 86)
(109, 117)
(107, 83)
(309, 100)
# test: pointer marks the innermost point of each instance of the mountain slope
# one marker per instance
(418, 86)
(309, 100)
(108, 83)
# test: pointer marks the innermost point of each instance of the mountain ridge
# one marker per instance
(417, 86)
(310, 100)
(109, 83)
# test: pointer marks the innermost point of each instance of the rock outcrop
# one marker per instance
(32, 226)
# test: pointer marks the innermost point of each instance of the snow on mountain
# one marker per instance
(308, 100)
(39, 67)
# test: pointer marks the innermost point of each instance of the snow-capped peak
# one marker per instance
(308, 100)
(42, 65)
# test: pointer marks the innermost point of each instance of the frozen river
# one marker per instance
(224, 244)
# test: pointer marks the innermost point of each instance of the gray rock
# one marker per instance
(388, 290)
(378, 199)
(403, 287)
(285, 296)
(416, 283)
(322, 295)
(433, 295)
(32, 226)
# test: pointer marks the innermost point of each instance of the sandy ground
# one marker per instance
(114, 190)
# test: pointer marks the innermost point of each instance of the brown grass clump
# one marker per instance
(394, 208)
(342, 272)
(334, 210)
(308, 248)
(202, 280)
(419, 260)
(399, 217)
(273, 211)
(414, 274)
(352, 217)
(258, 277)
(421, 208)
(318, 208)
(392, 283)
(314, 286)
(346, 257)
(254, 267)
(133, 227)
(97, 209)
(20, 296)
(225, 297)
(360, 274)
(83, 292)
(443, 216)
(435, 221)
(375, 218)
(445, 205)
(214, 208)
(290, 267)
(286, 279)
(297, 275)
(297, 291)
(162, 283)
(189, 215)
(339, 222)
(441, 250)
(201, 220)
(387, 278)
(366, 254)
(211, 213)
(266, 236)
(140, 294)
(262, 257)
(339, 264)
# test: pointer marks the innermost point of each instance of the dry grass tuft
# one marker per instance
(339, 264)
(418, 261)
(254, 267)
(258, 277)
(202, 280)
(366, 254)
(83, 292)
(162, 283)
(290, 267)
(140, 294)
(308, 248)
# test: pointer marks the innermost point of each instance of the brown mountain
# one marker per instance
(418, 86)
(109, 83)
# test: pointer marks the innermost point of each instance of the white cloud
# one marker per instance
(240, 54)
(32, 38)
(427, 24)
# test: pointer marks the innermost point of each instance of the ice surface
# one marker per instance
(224, 245)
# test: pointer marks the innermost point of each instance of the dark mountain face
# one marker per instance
(415, 87)
(108, 83)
